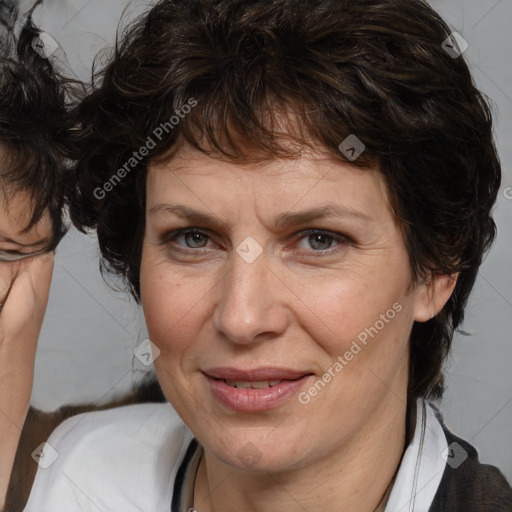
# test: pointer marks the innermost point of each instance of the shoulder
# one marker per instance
(469, 485)
(118, 459)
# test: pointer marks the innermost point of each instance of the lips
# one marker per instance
(254, 375)
(254, 390)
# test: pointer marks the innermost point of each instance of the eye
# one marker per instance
(321, 241)
(313, 242)
(189, 239)
(8, 255)
(11, 255)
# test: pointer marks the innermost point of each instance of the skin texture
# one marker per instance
(24, 289)
(210, 308)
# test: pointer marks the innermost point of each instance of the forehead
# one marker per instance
(313, 178)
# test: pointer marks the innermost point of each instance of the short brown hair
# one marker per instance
(373, 68)
(35, 121)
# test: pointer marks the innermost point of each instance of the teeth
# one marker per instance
(262, 384)
(238, 384)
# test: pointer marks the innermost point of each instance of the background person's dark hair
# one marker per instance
(34, 120)
(373, 68)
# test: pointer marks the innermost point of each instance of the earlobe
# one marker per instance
(433, 295)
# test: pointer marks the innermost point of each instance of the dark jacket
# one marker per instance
(472, 486)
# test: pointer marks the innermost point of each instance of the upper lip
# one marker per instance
(255, 374)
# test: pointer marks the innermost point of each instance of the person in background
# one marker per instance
(34, 142)
(35, 145)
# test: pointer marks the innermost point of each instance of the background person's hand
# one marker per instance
(24, 290)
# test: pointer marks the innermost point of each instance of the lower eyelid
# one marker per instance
(12, 253)
(12, 256)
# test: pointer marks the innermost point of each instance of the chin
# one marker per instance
(258, 453)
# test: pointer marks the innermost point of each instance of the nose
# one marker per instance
(251, 305)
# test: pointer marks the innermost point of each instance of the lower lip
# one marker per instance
(254, 400)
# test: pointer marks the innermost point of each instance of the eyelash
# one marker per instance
(336, 237)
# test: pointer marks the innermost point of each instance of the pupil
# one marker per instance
(195, 239)
(319, 241)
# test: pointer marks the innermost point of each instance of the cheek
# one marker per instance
(339, 311)
(360, 330)
(172, 305)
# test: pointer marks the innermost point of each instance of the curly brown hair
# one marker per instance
(35, 121)
(373, 68)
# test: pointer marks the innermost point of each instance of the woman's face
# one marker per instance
(289, 280)
(15, 213)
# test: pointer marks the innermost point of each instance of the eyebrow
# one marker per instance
(283, 220)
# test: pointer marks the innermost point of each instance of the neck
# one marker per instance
(357, 474)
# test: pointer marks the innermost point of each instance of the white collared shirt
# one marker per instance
(126, 459)
(422, 465)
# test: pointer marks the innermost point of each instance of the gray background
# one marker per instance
(86, 345)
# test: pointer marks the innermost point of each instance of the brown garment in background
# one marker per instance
(38, 427)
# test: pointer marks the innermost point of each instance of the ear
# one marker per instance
(433, 295)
